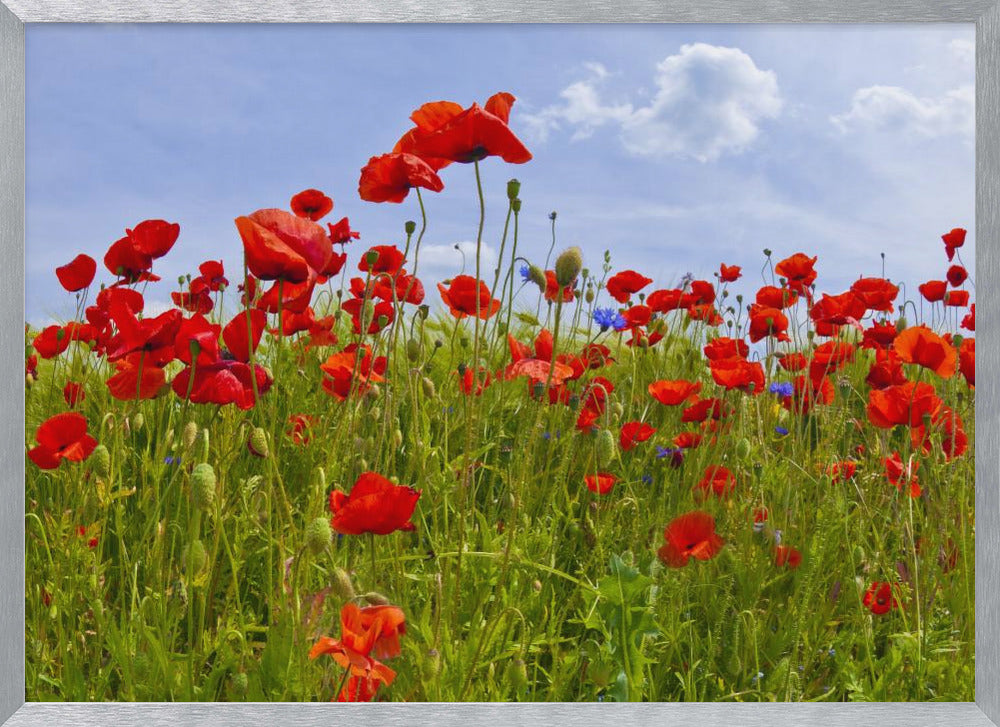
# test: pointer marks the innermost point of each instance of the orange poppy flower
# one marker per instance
(468, 136)
(920, 345)
(621, 286)
(969, 321)
(374, 505)
(390, 177)
(674, 393)
(954, 441)
(691, 535)
(344, 371)
(311, 204)
(600, 484)
(736, 373)
(78, 273)
(63, 436)
(829, 357)
(461, 298)
(280, 246)
(687, 440)
(135, 380)
(770, 296)
(766, 322)
(793, 361)
(875, 293)
(798, 271)
(905, 403)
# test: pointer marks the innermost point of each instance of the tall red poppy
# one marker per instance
(766, 322)
(798, 271)
(461, 298)
(787, 556)
(468, 136)
(879, 598)
(956, 275)
(600, 484)
(674, 393)
(953, 240)
(724, 347)
(933, 290)
(374, 505)
(920, 345)
(621, 286)
(311, 204)
(877, 294)
(729, 273)
(901, 473)
(770, 296)
(716, 479)
(691, 535)
(63, 436)
(280, 246)
(390, 177)
(78, 273)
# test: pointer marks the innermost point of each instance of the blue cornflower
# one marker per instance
(525, 275)
(832, 652)
(172, 460)
(782, 388)
(609, 318)
(647, 479)
(781, 430)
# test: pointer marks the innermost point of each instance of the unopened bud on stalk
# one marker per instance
(589, 295)
(410, 226)
(431, 668)
(319, 479)
(257, 443)
(100, 460)
(901, 325)
(428, 386)
(517, 675)
(568, 266)
(189, 434)
(515, 205)
(605, 447)
(318, 535)
(137, 421)
(202, 486)
(423, 311)
(956, 340)
(537, 276)
(617, 410)
(341, 584)
(195, 557)
(371, 257)
(397, 438)
(413, 349)
(513, 189)
(376, 599)
(743, 448)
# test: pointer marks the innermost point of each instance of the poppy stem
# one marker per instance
(371, 549)
(250, 347)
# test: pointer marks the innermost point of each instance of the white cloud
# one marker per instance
(898, 111)
(708, 101)
(963, 50)
(437, 262)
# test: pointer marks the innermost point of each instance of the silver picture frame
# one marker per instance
(14, 14)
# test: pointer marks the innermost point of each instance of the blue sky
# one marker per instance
(676, 147)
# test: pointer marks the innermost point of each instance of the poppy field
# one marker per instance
(322, 477)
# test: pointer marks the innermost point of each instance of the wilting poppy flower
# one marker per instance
(879, 599)
(723, 347)
(900, 474)
(63, 436)
(600, 484)
(905, 404)
(717, 479)
(460, 297)
(771, 297)
(956, 275)
(674, 393)
(390, 177)
(785, 555)
(920, 345)
(535, 369)
(623, 285)
(280, 246)
(729, 273)
(311, 204)
(136, 378)
(73, 393)
(933, 290)
(967, 360)
(766, 322)
(798, 271)
(374, 505)
(78, 273)
(969, 321)
(469, 136)
(691, 535)
(956, 298)
(634, 432)
(877, 294)
(383, 625)
(953, 240)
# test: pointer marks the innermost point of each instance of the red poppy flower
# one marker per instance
(766, 322)
(221, 383)
(154, 337)
(953, 240)
(837, 310)
(242, 335)
(377, 315)
(956, 275)
(470, 381)
(691, 535)
(634, 432)
(664, 301)
(196, 336)
(808, 393)
(879, 599)
(321, 333)
(967, 360)
(360, 635)
(798, 271)
(729, 273)
(380, 625)
(124, 261)
(280, 246)
(596, 355)
(785, 555)
(73, 393)
(969, 322)
(154, 237)
(63, 436)
(346, 375)
(387, 259)
(136, 378)
(51, 341)
(876, 293)
(341, 232)
(468, 136)
(78, 273)
(933, 290)
(900, 474)
(552, 289)
(623, 285)
(886, 371)
(706, 313)
(920, 345)
(461, 298)
(829, 357)
(771, 297)
(954, 441)
(311, 204)
(842, 471)
(956, 298)
(674, 393)
(283, 295)
(701, 292)
(718, 479)
(374, 505)
(760, 515)
(600, 484)
(196, 299)
(300, 428)
(31, 366)
(794, 361)
(637, 316)
(737, 373)
(390, 177)
(879, 335)
(721, 348)
(213, 274)
(904, 404)
(706, 408)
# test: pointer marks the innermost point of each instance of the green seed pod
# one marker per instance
(901, 325)
(383, 321)
(515, 204)
(431, 667)
(513, 189)
(536, 585)
(428, 386)
(568, 266)
(517, 675)
(376, 599)
(743, 448)
(371, 257)
(859, 554)
(956, 340)
(318, 535)
(413, 350)
(410, 226)
(100, 460)
(589, 295)
(605, 447)
(202, 446)
(203, 486)
(341, 584)
(257, 443)
(189, 434)
(195, 557)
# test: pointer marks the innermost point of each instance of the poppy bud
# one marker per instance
(431, 667)
(376, 599)
(513, 189)
(202, 486)
(189, 434)
(956, 340)
(552, 216)
(195, 558)
(341, 584)
(536, 585)
(589, 295)
(515, 204)
(371, 257)
(397, 438)
(464, 341)
(100, 460)
(900, 325)
(257, 443)
(240, 683)
(617, 410)
(859, 554)
(410, 226)
(413, 349)
(517, 675)
(137, 421)
(383, 321)
(462, 369)
(428, 386)
(605, 447)
(318, 535)
(568, 266)
(743, 448)
(319, 479)
(537, 276)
